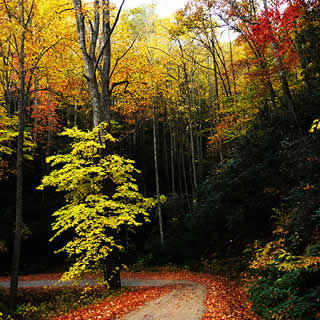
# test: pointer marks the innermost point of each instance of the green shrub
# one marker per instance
(286, 295)
(286, 286)
(27, 312)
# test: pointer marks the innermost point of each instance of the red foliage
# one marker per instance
(46, 117)
(277, 25)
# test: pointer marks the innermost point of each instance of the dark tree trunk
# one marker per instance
(19, 189)
(111, 272)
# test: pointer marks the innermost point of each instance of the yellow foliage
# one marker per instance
(101, 197)
(315, 126)
(274, 253)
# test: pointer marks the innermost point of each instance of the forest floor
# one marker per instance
(163, 295)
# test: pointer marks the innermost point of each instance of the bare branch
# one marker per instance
(116, 84)
(38, 60)
(109, 36)
(124, 54)
(30, 14)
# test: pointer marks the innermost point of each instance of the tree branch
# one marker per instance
(109, 37)
(126, 52)
(116, 84)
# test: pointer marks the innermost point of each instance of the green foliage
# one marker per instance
(225, 216)
(44, 302)
(286, 284)
(27, 311)
(7, 132)
(307, 42)
(279, 294)
(101, 198)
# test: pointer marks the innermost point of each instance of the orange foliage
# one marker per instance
(46, 117)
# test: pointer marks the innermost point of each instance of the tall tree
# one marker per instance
(24, 17)
(97, 54)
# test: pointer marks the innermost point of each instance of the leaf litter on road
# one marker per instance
(225, 298)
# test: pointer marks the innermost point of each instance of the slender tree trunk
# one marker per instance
(49, 129)
(210, 96)
(225, 69)
(190, 166)
(19, 190)
(165, 146)
(199, 140)
(217, 97)
(184, 175)
(75, 113)
(232, 67)
(157, 173)
(36, 102)
(145, 168)
(172, 158)
(193, 160)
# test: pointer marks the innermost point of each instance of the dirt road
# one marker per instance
(185, 302)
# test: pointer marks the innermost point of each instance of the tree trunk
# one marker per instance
(165, 145)
(97, 64)
(172, 158)
(49, 128)
(100, 96)
(19, 190)
(157, 173)
(217, 97)
(183, 169)
(75, 114)
(199, 140)
(111, 272)
(232, 67)
(36, 102)
(193, 162)
(106, 91)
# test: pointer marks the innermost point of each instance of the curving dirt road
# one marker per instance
(185, 302)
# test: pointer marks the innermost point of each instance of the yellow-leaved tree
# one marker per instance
(102, 198)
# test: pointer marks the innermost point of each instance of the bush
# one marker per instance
(44, 303)
(286, 295)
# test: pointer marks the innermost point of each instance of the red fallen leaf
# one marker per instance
(225, 299)
(117, 306)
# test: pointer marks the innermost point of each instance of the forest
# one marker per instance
(190, 142)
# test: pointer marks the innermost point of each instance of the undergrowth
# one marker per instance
(40, 303)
